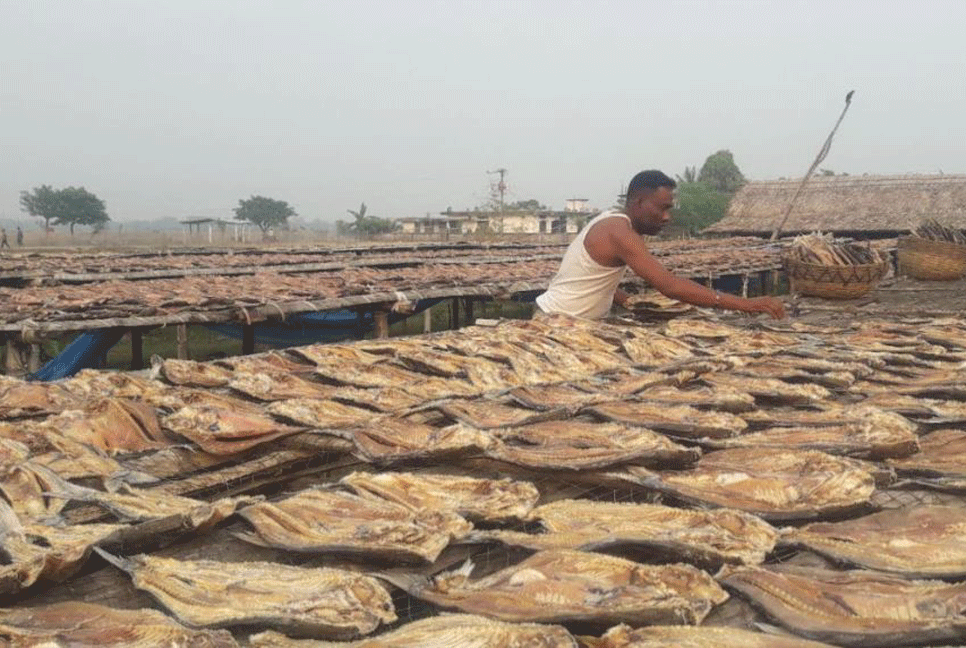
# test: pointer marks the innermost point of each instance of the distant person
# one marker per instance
(4, 243)
(19, 237)
(595, 262)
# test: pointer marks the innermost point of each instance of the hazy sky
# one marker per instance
(181, 107)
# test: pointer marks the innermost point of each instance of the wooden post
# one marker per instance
(248, 339)
(182, 341)
(137, 348)
(744, 285)
(381, 318)
(428, 320)
(34, 363)
(469, 311)
(454, 313)
(763, 281)
(16, 363)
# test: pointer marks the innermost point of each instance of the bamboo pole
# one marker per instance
(182, 341)
(428, 320)
(381, 318)
(137, 349)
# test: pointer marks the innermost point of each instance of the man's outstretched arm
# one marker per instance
(629, 247)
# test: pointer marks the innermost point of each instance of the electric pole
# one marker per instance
(500, 187)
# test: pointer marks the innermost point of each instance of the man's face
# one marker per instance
(650, 212)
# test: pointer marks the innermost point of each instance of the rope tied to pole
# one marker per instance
(818, 160)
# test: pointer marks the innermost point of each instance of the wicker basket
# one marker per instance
(834, 281)
(932, 260)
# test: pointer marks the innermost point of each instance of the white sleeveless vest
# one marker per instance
(582, 287)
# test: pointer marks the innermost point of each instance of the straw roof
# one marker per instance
(881, 204)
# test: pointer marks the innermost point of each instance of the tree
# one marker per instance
(43, 202)
(690, 175)
(264, 212)
(720, 172)
(367, 226)
(70, 206)
(527, 205)
(698, 205)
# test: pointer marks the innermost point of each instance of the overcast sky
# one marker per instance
(181, 107)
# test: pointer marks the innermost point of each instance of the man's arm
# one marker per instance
(630, 248)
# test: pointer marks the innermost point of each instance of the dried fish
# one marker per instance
(221, 430)
(700, 328)
(330, 603)
(941, 460)
(486, 413)
(113, 425)
(875, 435)
(579, 445)
(320, 521)
(451, 630)
(854, 608)
(624, 636)
(677, 420)
(552, 397)
(475, 499)
(83, 625)
(275, 386)
(916, 542)
(321, 414)
(19, 398)
(711, 537)
(718, 398)
(393, 440)
(772, 483)
(194, 374)
(565, 586)
(652, 349)
(770, 388)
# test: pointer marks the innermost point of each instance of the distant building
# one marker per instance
(869, 206)
(509, 222)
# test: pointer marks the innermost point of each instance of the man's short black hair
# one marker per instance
(648, 181)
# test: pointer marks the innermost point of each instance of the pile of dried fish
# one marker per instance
(933, 230)
(823, 249)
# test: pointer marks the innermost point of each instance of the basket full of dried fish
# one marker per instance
(933, 252)
(819, 266)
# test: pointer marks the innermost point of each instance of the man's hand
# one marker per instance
(771, 305)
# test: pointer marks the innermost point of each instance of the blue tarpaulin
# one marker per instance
(89, 348)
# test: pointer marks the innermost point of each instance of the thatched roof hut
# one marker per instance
(867, 206)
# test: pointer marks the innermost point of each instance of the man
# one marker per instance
(4, 243)
(19, 236)
(594, 264)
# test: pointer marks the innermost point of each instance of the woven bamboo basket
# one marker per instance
(931, 260)
(834, 281)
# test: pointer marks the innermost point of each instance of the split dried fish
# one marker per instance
(700, 328)
(624, 636)
(770, 388)
(940, 462)
(321, 414)
(447, 630)
(552, 397)
(194, 374)
(84, 625)
(394, 440)
(325, 521)
(711, 537)
(486, 413)
(916, 542)
(875, 435)
(719, 397)
(19, 398)
(112, 425)
(772, 483)
(580, 445)
(330, 603)
(566, 586)
(677, 420)
(220, 430)
(854, 608)
(488, 500)
(276, 386)
(652, 349)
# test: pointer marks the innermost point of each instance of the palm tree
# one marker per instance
(359, 216)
